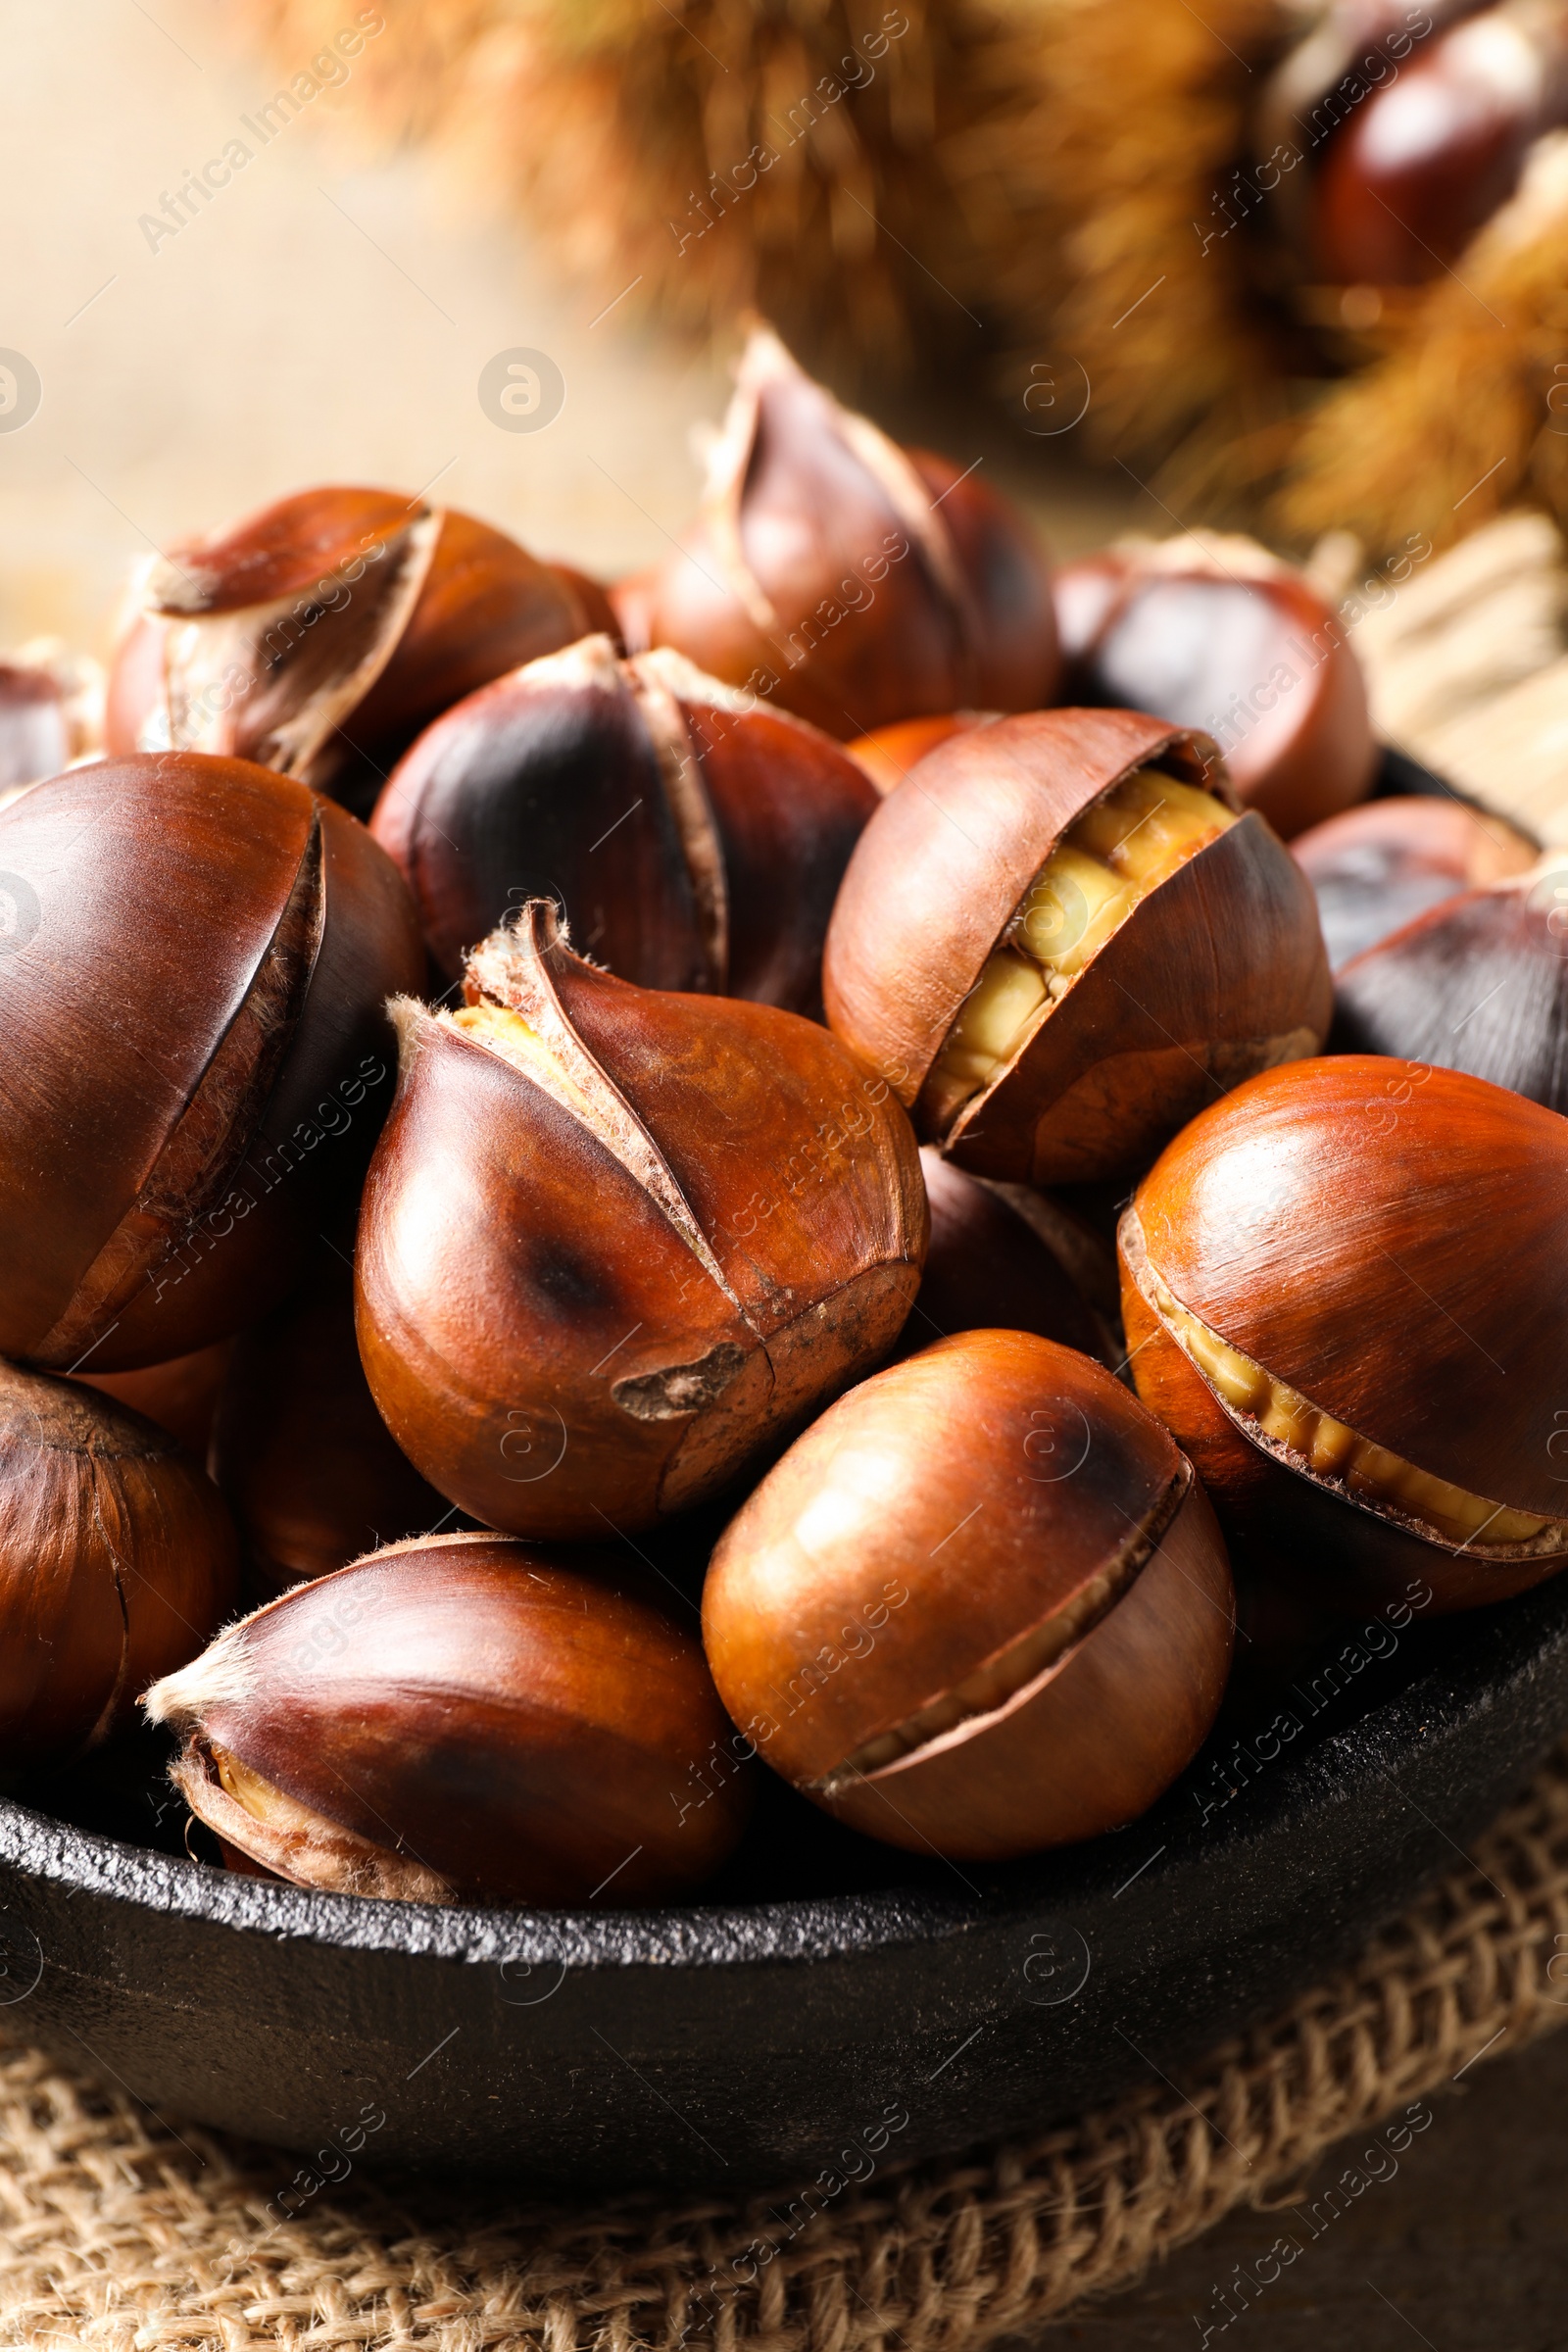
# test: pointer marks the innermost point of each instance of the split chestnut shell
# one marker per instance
(981, 1606)
(1058, 942)
(615, 1240)
(1346, 1292)
(463, 1719)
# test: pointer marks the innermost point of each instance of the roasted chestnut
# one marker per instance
(116, 1563)
(1002, 1255)
(193, 1047)
(463, 1719)
(1058, 940)
(1345, 1292)
(320, 635)
(1218, 635)
(981, 1606)
(181, 1396)
(1479, 983)
(853, 581)
(614, 1242)
(888, 754)
(1374, 869)
(692, 836)
(303, 1458)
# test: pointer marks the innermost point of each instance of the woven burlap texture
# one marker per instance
(120, 2233)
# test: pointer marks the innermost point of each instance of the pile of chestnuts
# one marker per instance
(605, 1192)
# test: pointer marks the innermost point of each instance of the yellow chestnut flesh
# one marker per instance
(1133, 839)
(1333, 1451)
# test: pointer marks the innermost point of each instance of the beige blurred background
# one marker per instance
(325, 317)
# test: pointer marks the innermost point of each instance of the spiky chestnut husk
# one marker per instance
(617, 1241)
(193, 1049)
(981, 1606)
(321, 633)
(853, 581)
(1344, 1293)
(1217, 971)
(117, 1561)
(463, 1719)
(692, 836)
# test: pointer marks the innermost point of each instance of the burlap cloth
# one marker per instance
(120, 2231)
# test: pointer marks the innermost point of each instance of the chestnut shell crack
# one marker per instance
(681, 1388)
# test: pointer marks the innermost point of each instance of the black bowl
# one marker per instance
(869, 2009)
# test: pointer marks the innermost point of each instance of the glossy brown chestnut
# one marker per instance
(888, 754)
(1374, 869)
(303, 1458)
(1057, 941)
(116, 1563)
(182, 1396)
(463, 1719)
(614, 1242)
(1345, 1292)
(320, 635)
(981, 1606)
(693, 837)
(193, 1049)
(851, 580)
(1479, 983)
(1005, 1256)
(1218, 634)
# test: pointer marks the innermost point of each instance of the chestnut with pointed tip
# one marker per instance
(1346, 1295)
(1002, 1255)
(615, 1242)
(853, 581)
(1057, 941)
(118, 1562)
(303, 1458)
(193, 1049)
(981, 1606)
(1375, 868)
(320, 635)
(693, 837)
(1219, 634)
(1479, 983)
(463, 1719)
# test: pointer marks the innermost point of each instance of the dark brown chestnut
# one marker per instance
(1004, 1256)
(693, 837)
(853, 581)
(615, 1242)
(116, 1563)
(303, 1458)
(1346, 1294)
(193, 1047)
(1057, 941)
(1374, 869)
(181, 1396)
(463, 1719)
(1216, 633)
(320, 635)
(980, 1607)
(888, 754)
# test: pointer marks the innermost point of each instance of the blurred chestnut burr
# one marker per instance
(1343, 1290)
(1413, 126)
(51, 712)
(463, 1719)
(888, 754)
(303, 1458)
(181, 1396)
(1374, 869)
(614, 1242)
(1004, 1256)
(1216, 633)
(116, 1563)
(855, 581)
(320, 634)
(981, 1606)
(693, 837)
(1058, 940)
(1479, 983)
(193, 1049)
